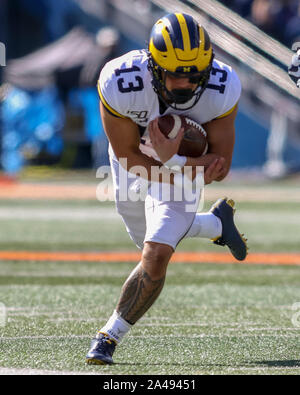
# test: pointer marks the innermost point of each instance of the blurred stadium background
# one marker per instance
(238, 318)
(55, 52)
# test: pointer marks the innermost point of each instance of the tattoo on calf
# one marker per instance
(138, 294)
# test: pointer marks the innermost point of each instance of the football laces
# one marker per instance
(196, 125)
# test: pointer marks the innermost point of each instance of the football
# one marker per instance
(194, 142)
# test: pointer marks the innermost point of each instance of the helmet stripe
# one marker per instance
(167, 39)
(158, 38)
(174, 31)
(185, 32)
(193, 31)
(206, 40)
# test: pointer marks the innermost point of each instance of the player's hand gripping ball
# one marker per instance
(194, 142)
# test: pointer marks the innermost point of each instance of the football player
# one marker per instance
(176, 74)
(294, 68)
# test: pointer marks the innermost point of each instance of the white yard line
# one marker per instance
(34, 372)
(200, 336)
(258, 368)
(31, 372)
(103, 214)
(58, 214)
(267, 216)
(109, 213)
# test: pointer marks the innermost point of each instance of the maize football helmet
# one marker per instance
(180, 47)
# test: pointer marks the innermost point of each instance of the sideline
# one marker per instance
(88, 191)
(178, 257)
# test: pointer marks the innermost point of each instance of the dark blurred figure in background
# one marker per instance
(42, 84)
(242, 7)
(52, 84)
(31, 24)
(54, 56)
(273, 16)
(278, 18)
(292, 30)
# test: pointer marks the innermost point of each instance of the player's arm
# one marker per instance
(123, 135)
(221, 138)
(221, 131)
(165, 148)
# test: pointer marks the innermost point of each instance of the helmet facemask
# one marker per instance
(178, 99)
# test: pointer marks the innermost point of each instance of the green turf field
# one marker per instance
(209, 319)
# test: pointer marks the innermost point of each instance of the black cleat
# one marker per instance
(223, 209)
(102, 349)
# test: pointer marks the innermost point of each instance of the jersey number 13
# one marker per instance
(138, 85)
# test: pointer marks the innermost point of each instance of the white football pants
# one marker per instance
(148, 212)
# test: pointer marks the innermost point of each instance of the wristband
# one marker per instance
(177, 161)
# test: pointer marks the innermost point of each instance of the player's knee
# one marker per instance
(156, 252)
(155, 259)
